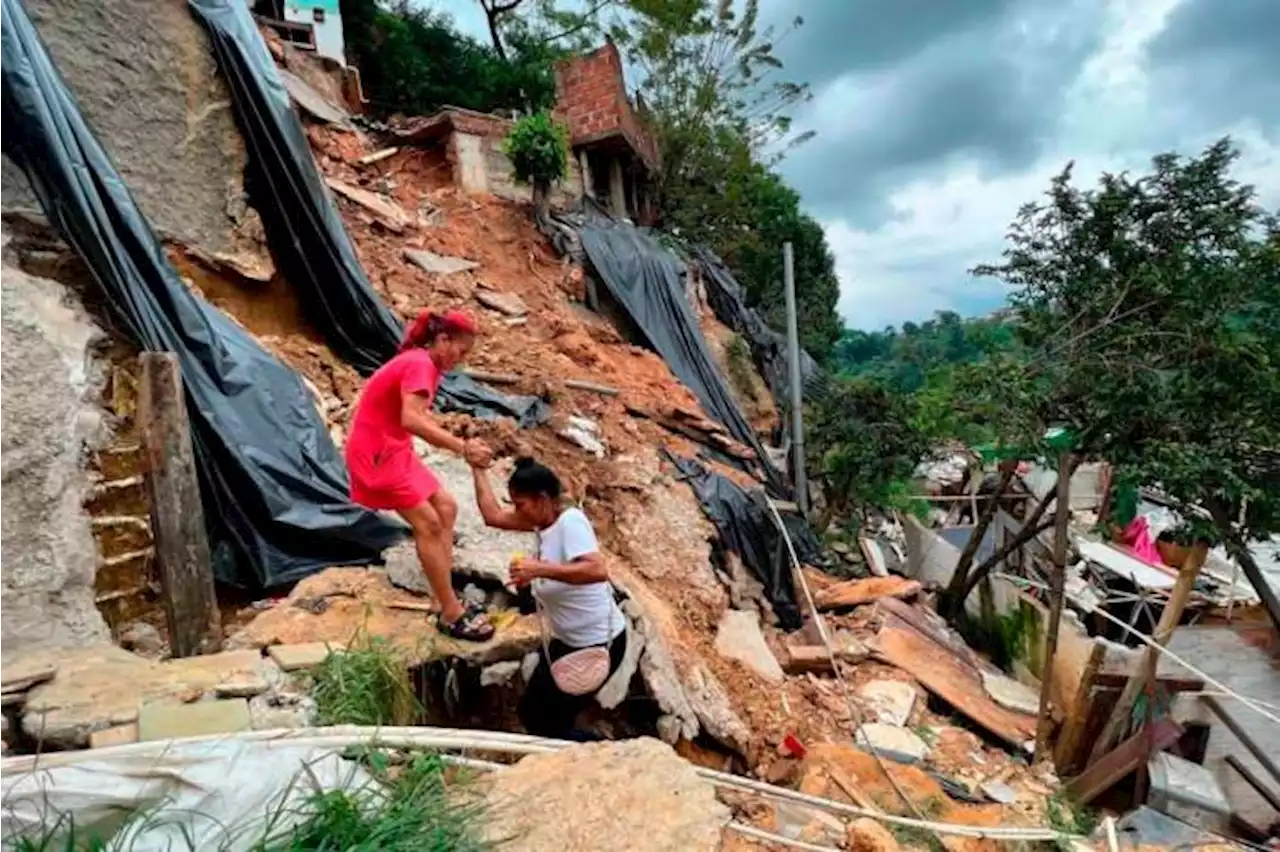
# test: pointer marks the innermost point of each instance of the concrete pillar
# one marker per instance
(617, 189)
(584, 165)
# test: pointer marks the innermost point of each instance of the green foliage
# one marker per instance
(862, 444)
(742, 371)
(538, 148)
(412, 60)
(1069, 817)
(365, 685)
(1151, 306)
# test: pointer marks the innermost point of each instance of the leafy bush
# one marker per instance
(539, 150)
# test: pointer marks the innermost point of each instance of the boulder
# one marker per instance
(739, 638)
(623, 796)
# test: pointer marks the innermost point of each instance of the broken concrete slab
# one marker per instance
(52, 383)
(892, 741)
(504, 303)
(119, 735)
(362, 600)
(853, 593)
(998, 791)
(242, 685)
(585, 434)
(384, 210)
(626, 795)
(168, 720)
(102, 687)
(739, 638)
(438, 264)
(18, 673)
(891, 701)
(1011, 694)
(308, 655)
(312, 102)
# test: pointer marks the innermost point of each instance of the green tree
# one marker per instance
(863, 442)
(539, 151)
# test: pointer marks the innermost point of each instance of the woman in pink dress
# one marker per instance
(386, 473)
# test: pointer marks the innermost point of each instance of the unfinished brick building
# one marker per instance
(616, 153)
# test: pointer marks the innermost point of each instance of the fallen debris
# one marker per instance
(893, 742)
(378, 156)
(504, 303)
(292, 658)
(312, 102)
(170, 720)
(739, 638)
(890, 701)
(853, 593)
(385, 211)
(438, 264)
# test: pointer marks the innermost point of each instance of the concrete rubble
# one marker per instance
(631, 795)
(739, 638)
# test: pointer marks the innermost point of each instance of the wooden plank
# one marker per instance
(807, 658)
(1123, 759)
(1077, 713)
(1169, 683)
(383, 209)
(1272, 797)
(953, 680)
(177, 517)
(853, 593)
(603, 390)
(378, 156)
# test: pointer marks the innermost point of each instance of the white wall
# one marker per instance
(328, 32)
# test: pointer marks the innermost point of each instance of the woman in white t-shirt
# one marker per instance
(570, 582)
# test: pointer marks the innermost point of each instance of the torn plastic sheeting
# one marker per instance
(273, 485)
(746, 527)
(307, 238)
(768, 347)
(644, 278)
(224, 794)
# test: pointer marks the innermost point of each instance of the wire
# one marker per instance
(1252, 703)
(835, 663)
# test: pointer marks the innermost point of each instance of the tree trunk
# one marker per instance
(952, 600)
(493, 12)
(1169, 618)
(1239, 551)
(1061, 519)
(541, 204)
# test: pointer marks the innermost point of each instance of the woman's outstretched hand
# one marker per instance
(477, 453)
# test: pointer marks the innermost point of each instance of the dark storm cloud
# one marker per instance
(1219, 60)
(962, 92)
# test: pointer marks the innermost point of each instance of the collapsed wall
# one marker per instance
(51, 383)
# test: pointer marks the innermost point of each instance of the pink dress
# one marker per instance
(385, 471)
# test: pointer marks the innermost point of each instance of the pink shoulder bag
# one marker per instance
(580, 672)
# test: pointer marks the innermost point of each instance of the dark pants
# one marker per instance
(545, 711)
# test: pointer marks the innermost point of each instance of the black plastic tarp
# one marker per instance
(304, 230)
(747, 527)
(768, 347)
(646, 280)
(273, 485)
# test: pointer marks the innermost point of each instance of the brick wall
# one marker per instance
(591, 99)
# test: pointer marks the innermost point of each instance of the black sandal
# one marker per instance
(471, 626)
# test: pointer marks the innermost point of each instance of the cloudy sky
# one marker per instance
(937, 119)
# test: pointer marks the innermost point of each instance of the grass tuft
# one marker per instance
(367, 684)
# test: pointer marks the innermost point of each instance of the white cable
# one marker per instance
(1251, 703)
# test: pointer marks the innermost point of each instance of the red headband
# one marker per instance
(429, 325)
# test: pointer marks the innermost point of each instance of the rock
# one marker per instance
(281, 710)
(890, 700)
(739, 638)
(102, 687)
(998, 791)
(499, 673)
(586, 434)
(142, 638)
(623, 796)
(473, 594)
(21, 673)
(783, 771)
(714, 711)
(308, 655)
(438, 264)
(168, 720)
(615, 689)
(241, 685)
(892, 742)
(405, 570)
(669, 728)
(119, 735)
(1010, 694)
(504, 303)
(867, 835)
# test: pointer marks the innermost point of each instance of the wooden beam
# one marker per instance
(1272, 797)
(1061, 519)
(1125, 758)
(177, 517)
(1145, 670)
(1263, 757)
(1077, 715)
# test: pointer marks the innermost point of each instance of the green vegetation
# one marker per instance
(742, 371)
(1068, 816)
(417, 807)
(368, 684)
(539, 151)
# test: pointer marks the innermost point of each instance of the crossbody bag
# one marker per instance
(579, 672)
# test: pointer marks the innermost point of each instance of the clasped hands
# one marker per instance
(477, 453)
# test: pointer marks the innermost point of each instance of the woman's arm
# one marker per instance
(415, 417)
(491, 510)
(590, 568)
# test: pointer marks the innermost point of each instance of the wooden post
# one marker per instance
(1057, 584)
(177, 519)
(1169, 619)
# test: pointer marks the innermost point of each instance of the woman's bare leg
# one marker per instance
(447, 508)
(434, 542)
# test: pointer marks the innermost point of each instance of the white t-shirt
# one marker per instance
(578, 615)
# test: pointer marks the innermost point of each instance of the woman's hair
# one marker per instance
(532, 479)
(429, 325)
